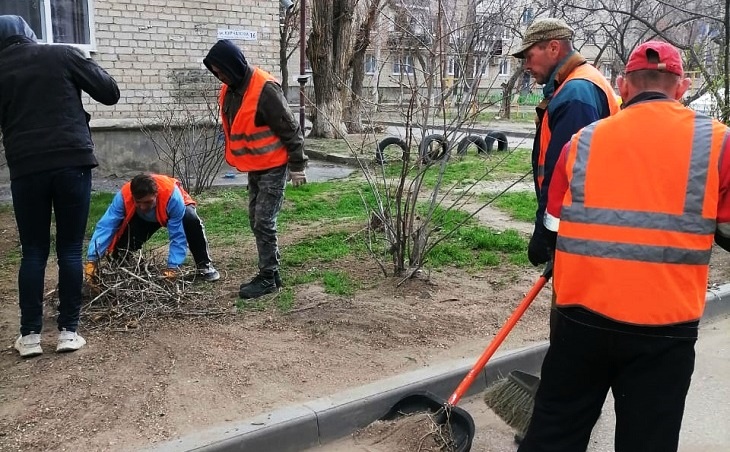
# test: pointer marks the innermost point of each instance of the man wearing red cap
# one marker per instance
(637, 200)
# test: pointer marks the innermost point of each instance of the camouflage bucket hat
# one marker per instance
(543, 30)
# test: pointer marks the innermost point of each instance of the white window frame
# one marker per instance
(451, 66)
(371, 64)
(481, 67)
(606, 70)
(47, 24)
(403, 60)
(505, 65)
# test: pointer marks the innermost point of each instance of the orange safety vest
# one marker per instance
(249, 147)
(639, 216)
(586, 72)
(165, 187)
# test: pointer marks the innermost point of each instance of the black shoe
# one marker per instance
(277, 279)
(259, 286)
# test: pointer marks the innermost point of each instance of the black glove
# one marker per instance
(722, 241)
(542, 244)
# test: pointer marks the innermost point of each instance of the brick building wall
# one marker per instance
(155, 47)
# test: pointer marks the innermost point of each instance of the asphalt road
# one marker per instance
(705, 427)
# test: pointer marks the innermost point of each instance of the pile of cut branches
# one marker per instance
(125, 292)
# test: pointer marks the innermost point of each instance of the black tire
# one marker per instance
(427, 154)
(379, 154)
(499, 137)
(475, 139)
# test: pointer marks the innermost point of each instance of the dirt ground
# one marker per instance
(130, 389)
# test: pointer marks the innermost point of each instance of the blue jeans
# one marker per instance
(66, 192)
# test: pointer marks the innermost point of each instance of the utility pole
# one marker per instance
(303, 77)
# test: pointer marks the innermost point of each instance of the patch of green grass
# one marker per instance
(338, 283)
(326, 248)
(99, 203)
(285, 300)
(324, 201)
(477, 247)
(11, 258)
(520, 205)
(517, 162)
(468, 169)
(450, 254)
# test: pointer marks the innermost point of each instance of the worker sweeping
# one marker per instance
(636, 200)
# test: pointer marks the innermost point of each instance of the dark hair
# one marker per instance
(650, 79)
(143, 185)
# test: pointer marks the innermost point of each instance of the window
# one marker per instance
(606, 71)
(451, 66)
(527, 15)
(55, 21)
(370, 64)
(481, 67)
(504, 66)
(403, 65)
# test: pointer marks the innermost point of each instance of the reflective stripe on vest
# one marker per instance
(585, 72)
(641, 264)
(248, 147)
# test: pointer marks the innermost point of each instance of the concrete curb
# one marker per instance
(324, 420)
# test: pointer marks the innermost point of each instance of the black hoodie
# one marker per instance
(272, 109)
(42, 118)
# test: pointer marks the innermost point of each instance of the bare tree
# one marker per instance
(186, 133)
(354, 110)
(289, 37)
(329, 50)
(694, 27)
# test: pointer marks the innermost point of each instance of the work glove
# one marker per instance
(297, 178)
(542, 244)
(91, 277)
(170, 273)
(90, 270)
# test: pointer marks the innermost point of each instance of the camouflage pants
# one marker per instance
(265, 197)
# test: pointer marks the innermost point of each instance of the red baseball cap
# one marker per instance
(669, 58)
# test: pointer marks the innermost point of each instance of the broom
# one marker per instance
(512, 399)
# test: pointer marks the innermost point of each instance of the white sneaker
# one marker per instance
(29, 345)
(208, 273)
(69, 341)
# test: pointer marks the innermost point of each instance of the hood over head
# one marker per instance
(227, 57)
(14, 29)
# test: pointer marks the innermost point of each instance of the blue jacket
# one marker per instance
(114, 215)
(578, 103)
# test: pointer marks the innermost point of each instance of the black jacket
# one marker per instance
(42, 119)
(272, 109)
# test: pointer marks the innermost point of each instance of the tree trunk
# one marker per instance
(329, 50)
(507, 90)
(353, 112)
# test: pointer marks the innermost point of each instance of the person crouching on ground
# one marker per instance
(141, 207)
(264, 139)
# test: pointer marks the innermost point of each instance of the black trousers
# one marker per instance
(138, 231)
(649, 375)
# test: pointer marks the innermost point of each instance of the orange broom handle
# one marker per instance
(501, 336)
